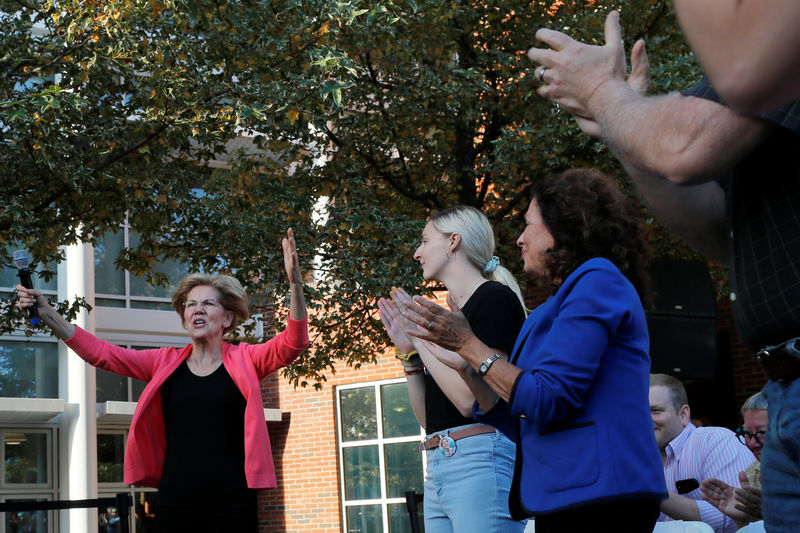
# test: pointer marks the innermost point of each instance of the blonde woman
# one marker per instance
(469, 465)
(198, 432)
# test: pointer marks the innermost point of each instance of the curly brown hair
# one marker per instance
(588, 216)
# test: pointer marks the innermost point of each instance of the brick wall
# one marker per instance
(304, 443)
(748, 378)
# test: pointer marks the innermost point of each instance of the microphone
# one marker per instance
(22, 261)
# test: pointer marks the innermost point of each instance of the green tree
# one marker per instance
(363, 117)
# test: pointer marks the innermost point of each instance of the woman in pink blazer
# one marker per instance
(198, 432)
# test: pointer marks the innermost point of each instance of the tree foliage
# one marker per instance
(360, 118)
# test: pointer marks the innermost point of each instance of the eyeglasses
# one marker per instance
(742, 434)
(208, 303)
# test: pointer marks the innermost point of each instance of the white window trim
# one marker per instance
(383, 501)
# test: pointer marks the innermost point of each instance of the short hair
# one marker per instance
(756, 402)
(588, 216)
(677, 393)
(477, 242)
(233, 297)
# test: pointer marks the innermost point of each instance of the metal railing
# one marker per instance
(122, 501)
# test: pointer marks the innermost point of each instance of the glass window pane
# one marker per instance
(403, 468)
(398, 417)
(111, 387)
(23, 521)
(110, 455)
(144, 509)
(107, 279)
(9, 275)
(137, 387)
(400, 522)
(28, 369)
(108, 302)
(358, 414)
(362, 480)
(364, 519)
(153, 306)
(26, 457)
(174, 271)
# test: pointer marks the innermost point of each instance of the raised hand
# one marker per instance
(396, 326)
(571, 72)
(290, 260)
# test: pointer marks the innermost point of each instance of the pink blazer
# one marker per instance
(247, 364)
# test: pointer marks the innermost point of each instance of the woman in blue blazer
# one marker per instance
(574, 394)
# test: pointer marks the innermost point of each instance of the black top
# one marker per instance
(495, 315)
(204, 424)
(763, 204)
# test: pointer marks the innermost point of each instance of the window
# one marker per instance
(118, 288)
(110, 455)
(28, 369)
(379, 459)
(117, 388)
(9, 276)
(29, 473)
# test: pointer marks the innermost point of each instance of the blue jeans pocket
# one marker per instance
(568, 458)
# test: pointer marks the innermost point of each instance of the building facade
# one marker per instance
(344, 455)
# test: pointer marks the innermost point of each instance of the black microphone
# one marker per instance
(22, 261)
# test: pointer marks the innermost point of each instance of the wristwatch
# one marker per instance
(484, 368)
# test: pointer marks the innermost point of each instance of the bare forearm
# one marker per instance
(750, 49)
(297, 302)
(501, 375)
(680, 507)
(696, 213)
(683, 139)
(416, 393)
(449, 380)
(57, 323)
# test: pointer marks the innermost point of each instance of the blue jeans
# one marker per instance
(469, 490)
(780, 459)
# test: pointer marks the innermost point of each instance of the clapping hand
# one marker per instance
(741, 504)
(396, 326)
(431, 322)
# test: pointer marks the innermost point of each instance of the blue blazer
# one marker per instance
(580, 411)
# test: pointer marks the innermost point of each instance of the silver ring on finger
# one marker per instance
(429, 325)
(541, 74)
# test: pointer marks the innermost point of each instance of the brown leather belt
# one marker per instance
(433, 442)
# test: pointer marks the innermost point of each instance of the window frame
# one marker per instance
(380, 442)
(37, 338)
(111, 489)
(39, 491)
(129, 300)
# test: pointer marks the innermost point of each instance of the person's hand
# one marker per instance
(724, 497)
(447, 357)
(27, 298)
(639, 78)
(574, 71)
(290, 260)
(748, 499)
(448, 329)
(396, 326)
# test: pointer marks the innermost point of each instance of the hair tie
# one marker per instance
(491, 265)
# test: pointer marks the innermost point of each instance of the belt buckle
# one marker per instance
(447, 445)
